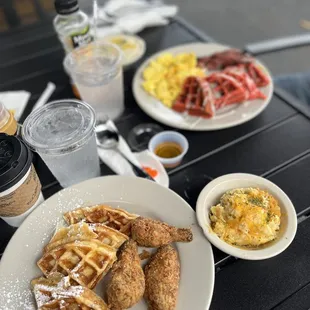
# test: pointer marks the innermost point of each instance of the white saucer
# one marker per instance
(146, 158)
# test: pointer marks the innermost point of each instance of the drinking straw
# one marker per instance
(45, 96)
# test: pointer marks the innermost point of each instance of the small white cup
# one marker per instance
(169, 136)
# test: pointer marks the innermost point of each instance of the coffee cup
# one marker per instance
(20, 187)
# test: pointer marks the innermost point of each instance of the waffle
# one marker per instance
(84, 231)
(56, 293)
(196, 98)
(115, 218)
(85, 262)
(80, 231)
(108, 235)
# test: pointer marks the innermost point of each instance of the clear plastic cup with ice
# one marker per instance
(96, 70)
(62, 132)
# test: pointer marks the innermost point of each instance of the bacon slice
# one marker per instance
(258, 76)
(252, 91)
(235, 57)
(231, 90)
(221, 60)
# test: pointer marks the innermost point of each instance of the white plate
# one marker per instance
(18, 264)
(146, 158)
(210, 196)
(225, 118)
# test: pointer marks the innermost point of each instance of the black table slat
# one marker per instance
(275, 112)
(7, 232)
(299, 301)
(13, 55)
(51, 190)
(262, 152)
(36, 82)
(51, 61)
(188, 184)
(165, 37)
(25, 35)
(261, 285)
(294, 181)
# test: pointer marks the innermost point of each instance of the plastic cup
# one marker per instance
(62, 132)
(169, 136)
(96, 70)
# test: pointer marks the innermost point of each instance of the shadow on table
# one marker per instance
(297, 85)
(15, 13)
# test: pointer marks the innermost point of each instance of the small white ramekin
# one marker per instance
(169, 136)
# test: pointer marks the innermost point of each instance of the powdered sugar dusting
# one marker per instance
(18, 265)
(13, 298)
(73, 291)
(15, 293)
(45, 293)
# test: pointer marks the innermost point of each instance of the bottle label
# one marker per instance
(82, 38)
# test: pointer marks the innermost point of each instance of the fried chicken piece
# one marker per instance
(162, 277)
(150, 233)
(127, 283)
(145, 255)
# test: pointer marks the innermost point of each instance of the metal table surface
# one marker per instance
(276, 145)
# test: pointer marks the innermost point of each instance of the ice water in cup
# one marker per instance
(96, 70)
(62, 132)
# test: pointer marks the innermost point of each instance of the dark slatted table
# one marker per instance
(276, 145)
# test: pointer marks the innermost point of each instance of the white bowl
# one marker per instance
(169, 136)
(139, 52)
(210, 196)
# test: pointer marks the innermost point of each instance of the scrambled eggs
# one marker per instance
(246, 217)
(164, 77)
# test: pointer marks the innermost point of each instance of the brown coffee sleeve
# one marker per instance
(23, 198)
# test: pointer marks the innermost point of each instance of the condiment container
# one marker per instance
(8, 123)
(169, 137)
(132, 46)
(20, 187)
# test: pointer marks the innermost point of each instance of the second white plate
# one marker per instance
(225, 118)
